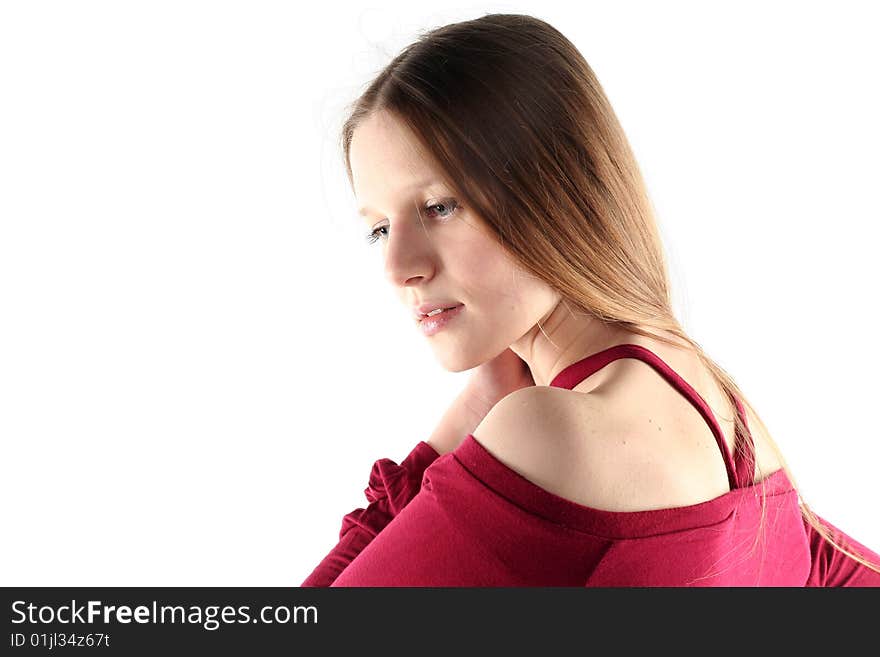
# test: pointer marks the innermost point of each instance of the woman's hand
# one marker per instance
(489, 384)
(495, 379)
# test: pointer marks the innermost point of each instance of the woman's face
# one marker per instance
(435, 249)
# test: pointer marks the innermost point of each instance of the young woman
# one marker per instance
(595, 444)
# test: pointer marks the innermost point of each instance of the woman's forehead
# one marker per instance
(389, 165)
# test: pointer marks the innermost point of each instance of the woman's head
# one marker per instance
(508, 119)
(437, 249)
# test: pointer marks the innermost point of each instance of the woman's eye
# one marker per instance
(445, 208)
(449, 205)
(374, 234)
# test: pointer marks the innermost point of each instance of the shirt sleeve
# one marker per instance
(390, 489)
(831, 567)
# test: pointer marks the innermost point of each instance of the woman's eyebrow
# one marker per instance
(429, 182)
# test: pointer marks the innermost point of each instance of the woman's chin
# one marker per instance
(453, 362)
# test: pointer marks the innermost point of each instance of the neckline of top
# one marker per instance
(532, 498)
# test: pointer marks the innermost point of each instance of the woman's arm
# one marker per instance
(489, 383)
(390, 488)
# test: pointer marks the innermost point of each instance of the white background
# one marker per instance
(199, 356)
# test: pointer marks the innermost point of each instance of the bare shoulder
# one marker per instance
(583, 449)
(534, 431)
(532, 428)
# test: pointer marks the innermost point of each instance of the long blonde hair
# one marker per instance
(518, 122)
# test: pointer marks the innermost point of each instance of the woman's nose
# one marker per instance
(408, 254)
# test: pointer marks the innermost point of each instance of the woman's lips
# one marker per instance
(435, 323)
